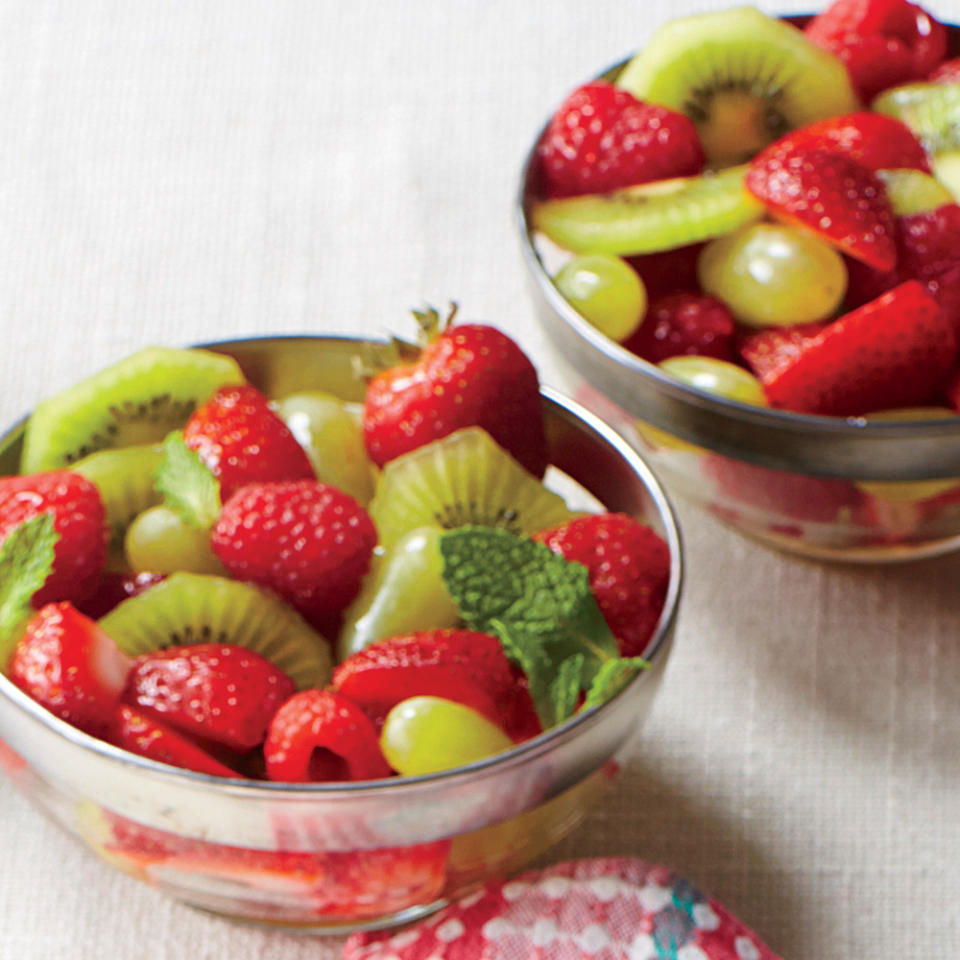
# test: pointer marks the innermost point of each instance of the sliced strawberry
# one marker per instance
(148, 737)
(114, 589)
(629, 567)
(895, 351)
(765, 351)
(873, 140)
(780, 495)
(218, 691)
(308, 541)
(603, 138)
(239, 437)
(78, 517)
(684, 323)
(882, 42)
(71, 667)
(827, 192)
(319, 736)
(460, 665)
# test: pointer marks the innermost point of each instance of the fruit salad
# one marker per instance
(297, 589)
(768, 213)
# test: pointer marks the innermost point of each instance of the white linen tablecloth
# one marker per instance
(175, 172)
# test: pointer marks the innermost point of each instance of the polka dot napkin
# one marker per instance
(612, 908)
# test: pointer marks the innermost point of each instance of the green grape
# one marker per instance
(428, 734)
(332, 439)
(606, 291)
(160, 540)
(717, 376)
(404, 592)
(773, 275)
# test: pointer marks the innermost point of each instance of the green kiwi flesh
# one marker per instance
(651, 217)
(136, 401)
(124, 477)
(744, 78)
(464, 478)
(930, 110)
(191, 608)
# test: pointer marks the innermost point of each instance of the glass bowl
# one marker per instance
(826, 487)
(343, 857)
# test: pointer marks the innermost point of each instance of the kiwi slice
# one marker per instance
(743, 78)
(652, 216)
(333, 440)
(464, 478)
(913, 191)
(136, 401)
(930, 110)
(124, 478)
(193, 608)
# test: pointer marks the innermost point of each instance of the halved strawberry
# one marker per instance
(895, 351)
(765, 351)
(874, 140)
(78, 517)
(836, 197)
(115, 587)
(139, 733)
(71, 667)
(216, 691)
(461, 665)
(239, 437)
(319, 736)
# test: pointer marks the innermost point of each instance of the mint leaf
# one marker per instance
(26, 559)
(187, 485)
(538, 604)
(611, 678)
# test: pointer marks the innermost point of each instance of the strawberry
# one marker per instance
(239, 437)
(779, 494)
(881, 42)
(148, 737)
(114, 589)
(765, 351)
(68, 664)
(895, 351)
(308, 541)
(217, 691)
(668, 271)
(468, 375)
(629, 567)
(319, 736)
(873, 140)
(603, 138)
(684, 323)
(462, 665)
(947, 72)
(79, 519)
(928, 250)
(827, 192)
(952, 390)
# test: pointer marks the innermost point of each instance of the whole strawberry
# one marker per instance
(882, 43)
(239, 437)
(319, 736)
(68, 664)
(629, 568)
(79, 519)
(218, 691)
(827, 192)
(603, 138)
(309, 542)
(467, 375)
(684, 323)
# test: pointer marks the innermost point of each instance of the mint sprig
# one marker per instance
(187, 485)
(541, 608)
(26, 560)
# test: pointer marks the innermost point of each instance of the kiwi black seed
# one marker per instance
(189, 608)
(464, 478)
(743, 78)
(136, 401)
